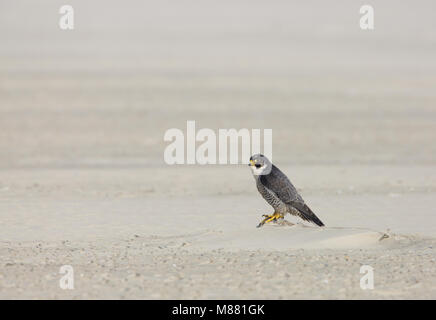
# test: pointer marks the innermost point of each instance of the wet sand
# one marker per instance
(82, 176)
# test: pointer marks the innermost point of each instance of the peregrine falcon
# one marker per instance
(279, 192)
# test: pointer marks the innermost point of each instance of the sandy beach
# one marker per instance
(83, 181)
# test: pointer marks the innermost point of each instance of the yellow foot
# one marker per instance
(269, 218)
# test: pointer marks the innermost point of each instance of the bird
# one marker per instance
(279, 192)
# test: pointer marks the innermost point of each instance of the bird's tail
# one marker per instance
(317, 221)
(307, 214)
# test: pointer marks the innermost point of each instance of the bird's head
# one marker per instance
(260, 165)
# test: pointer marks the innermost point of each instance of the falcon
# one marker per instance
(279, 192)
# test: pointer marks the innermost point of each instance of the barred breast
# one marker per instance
(271, 198)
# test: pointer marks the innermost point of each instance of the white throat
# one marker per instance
(260, 171)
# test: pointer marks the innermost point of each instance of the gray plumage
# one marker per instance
(278, 191)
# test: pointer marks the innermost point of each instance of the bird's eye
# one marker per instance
(257, 165)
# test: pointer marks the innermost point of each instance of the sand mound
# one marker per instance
(281, 238)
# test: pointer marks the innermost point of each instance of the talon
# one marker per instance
(269, 218)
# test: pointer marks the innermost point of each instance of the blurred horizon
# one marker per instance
(104, 93)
